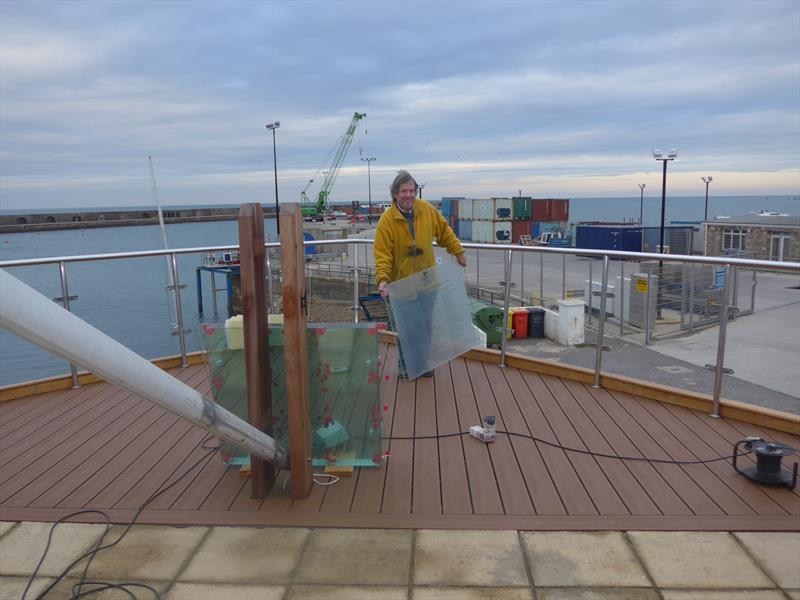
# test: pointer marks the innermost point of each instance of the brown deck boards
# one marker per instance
(100, 447)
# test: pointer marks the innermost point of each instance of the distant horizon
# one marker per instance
(96, 208)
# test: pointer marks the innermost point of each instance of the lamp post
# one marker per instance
(658, 155)
(272, 127)
(369, 161)
(641, 202)
(706, 180)
(421, 187)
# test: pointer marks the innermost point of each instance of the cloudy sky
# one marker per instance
(479, 99)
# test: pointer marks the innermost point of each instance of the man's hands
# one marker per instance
(462, 259)
(382, 289)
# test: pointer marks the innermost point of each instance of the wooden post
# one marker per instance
(295, 346)
(256, 338)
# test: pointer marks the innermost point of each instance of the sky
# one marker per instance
(478, 99)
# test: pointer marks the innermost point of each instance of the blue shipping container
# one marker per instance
(627, 239)
(464, 231)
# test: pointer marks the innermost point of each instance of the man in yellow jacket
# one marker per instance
(405, 235)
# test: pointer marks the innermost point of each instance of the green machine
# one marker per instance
(488, 319)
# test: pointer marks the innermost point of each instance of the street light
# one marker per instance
(706, 180)
(421, 187)
(658, 155)
(369, 161)
(641, 201)
(272, 127)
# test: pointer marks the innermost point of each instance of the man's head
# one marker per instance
(404, 190)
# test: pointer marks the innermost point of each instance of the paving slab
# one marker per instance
(246, 555)
(356, 556)
(22, 548)
(6, 526)
(469, 558)
(217, 591)
(777, 553)
(697, 560)
(64, 590)
(794, 594)
(347, 592)
(596, 594)
(13, 587)
(722, 595)
(146, 552)
(583, 559)
(471, 593)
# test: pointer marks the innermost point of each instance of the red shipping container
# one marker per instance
(540, 210)
(519, 228)
(559, 210)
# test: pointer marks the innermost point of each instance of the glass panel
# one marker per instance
(432, 318)
(344, 377)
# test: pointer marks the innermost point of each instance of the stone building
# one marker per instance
(766, 236)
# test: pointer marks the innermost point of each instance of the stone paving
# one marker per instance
(240, 563)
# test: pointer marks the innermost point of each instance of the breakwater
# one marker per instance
(23, 223)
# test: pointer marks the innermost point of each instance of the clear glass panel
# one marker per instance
(344, 377)
(432, 318)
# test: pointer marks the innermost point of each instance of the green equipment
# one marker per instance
(488, 319)
(316, 210)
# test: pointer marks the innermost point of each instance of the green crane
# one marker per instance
(317, 209)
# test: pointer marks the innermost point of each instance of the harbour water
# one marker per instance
(127, 299)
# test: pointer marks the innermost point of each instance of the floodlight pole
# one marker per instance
(272, 127)
(706, 180)
(664, 160)
(641, 202)
(369, 161)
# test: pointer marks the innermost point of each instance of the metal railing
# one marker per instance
(728, 264)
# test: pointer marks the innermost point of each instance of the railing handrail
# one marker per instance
(640, 256)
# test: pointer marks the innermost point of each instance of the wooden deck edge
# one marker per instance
(731, 409)
(64, 382)
(419, 521)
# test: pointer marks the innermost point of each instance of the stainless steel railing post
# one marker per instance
(601, 327)
(176, 290)
(506, 301)
(541, 278)
(563, 276)
(478, 266)
(589, 293)
(753, 293)
(355, 284)
(621, 298)
(723, 327)
(647, 310)
(522, 276)
(691, 297)
(62, 268)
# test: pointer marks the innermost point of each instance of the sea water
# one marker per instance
(127, 299)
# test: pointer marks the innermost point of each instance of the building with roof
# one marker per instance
(765, 235)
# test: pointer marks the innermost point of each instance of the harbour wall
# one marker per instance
(22, 223)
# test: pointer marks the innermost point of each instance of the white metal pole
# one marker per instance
(28, 314)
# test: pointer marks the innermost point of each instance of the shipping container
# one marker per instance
(464, 231)
(519, 228)
(449, 206)
(465, 209)
(539, 227)
(521, 208)
(628, 239)
(483, 210)
(502, 209)
(540, 210)
(502, 232)
(482, 231)
(453, 222)
(559, 210)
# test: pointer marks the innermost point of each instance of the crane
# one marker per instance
(316, 209)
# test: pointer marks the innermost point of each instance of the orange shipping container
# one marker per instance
(519, 228)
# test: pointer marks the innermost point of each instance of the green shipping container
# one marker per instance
(521, 208)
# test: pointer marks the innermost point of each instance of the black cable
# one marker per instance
(76, 593)
(568, 449)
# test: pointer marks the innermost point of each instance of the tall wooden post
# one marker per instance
(256, 337)
(294, 332)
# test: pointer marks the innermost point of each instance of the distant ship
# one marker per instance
(768, 213)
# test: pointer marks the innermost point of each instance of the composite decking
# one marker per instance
(100, 447)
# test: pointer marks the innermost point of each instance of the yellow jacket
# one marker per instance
(397, 255)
